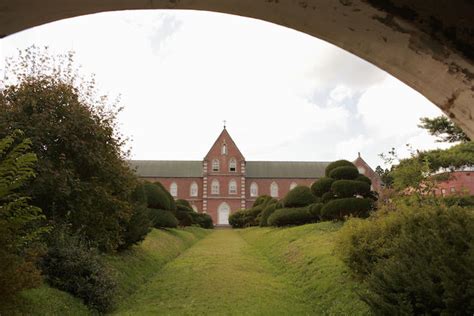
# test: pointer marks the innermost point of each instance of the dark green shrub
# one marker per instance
(168, 195)
(183, 203)
(237, 219)
(290, 217)
(340, 208)
(267, 211)
(315, 210)
(279, 204)
(321, 186)
(298, 197)
(163, 218)
(136, 229)
(459, 200)
(363, 178)
(156, 197)
(71, 266)
(263, 200)
(328, 196)
(417, 260)
(139, 195)
(184, 217)
(337, 164)
(350, 188)
(202, 220)
(344, 173)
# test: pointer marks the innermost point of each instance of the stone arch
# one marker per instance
(400, 37)
(223, 212)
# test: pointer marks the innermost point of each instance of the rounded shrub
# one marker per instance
(349, 188)
(328, 196)
(202, 220)
(163, 218)
(262, 200)
(237, 219)
(321, 186)
(136, 229)
(267, 211)
(170, 197)
(156, 197)
(139, 195)
(185, 203)
(298, 197)
(315, 210)
(337, 164)
(344, 173)
(340, 208)
(363, 178)
(290, 217)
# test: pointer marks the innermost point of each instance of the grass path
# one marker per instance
(220, 275)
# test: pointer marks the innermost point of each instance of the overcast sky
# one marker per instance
(285, 95)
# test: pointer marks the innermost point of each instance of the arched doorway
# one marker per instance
(223, 213)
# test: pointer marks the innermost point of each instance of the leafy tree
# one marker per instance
(19, 229)
(444, 129)
(82, 177)
(385, 175)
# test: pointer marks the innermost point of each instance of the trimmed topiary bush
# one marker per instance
(237, 219)
(328, 196)
(337, 164)
(344, 173)
(136, 229)
(202, 220)
(321, 186)
(350, 188)
(290, 217)
(315, 210)
(183, 203)
(263, 200)
(340, 208)
(168, 195)
(156, 197)
(298, 197)
(163, 219)
(363, 178)
(267, 211)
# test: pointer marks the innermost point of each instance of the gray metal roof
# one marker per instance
(286, 169)
(254, 169)
(167, 168)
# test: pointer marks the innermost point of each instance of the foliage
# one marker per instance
(184, 203)
(267, 211)
(298, 197)
(341, 208)
(444, 129)
(246, 217)
(350, 188)
(328, 196)
(263, 200)
(82, 177)
(70, 265)
(315, 210)
(385, 176)
(19, 221)
(202, 220)
(291, 216)
(337, 164)
(417, 260)
(363, 178)
(237, 219)
(156, 196)
(172, 203)
(163, 218)
(137, 228)
(344, 173)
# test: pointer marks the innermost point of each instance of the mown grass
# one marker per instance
(305, 256)
(219, 275)
(133, 269)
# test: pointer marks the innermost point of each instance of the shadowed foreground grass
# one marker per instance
(220, 275)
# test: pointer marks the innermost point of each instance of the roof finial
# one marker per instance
(224, 123)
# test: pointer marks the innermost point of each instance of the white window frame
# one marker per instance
(232, 187)
(274, 189)
(215, 165)
(254, 189)
(193, 189)
(224, 149)
(232, 165)
(215, 186)
(174, 189)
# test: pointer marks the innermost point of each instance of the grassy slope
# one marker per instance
(134, 267)
(305, 255)
(220, 275)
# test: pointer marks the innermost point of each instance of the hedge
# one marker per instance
(350, 188)
(202, 220)
(344, 173)
(315, 210)
(340, 208)
(267, 211)
(163, 218)
(298, 197)
(321, 186)
(363, 178)
(337, 164)
(328, 196)
(290, 216)
(168, 195)
(263, 200)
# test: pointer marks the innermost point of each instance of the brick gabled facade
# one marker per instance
(224, 181)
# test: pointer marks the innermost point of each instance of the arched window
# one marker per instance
(224, 149)
(232, 165)
(174, 189)
(232, 187)
(193, 190)
(293, 185)
(215, 165)
(274, 189)
(215, 187)
(254, 189)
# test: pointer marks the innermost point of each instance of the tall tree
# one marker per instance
(444, 129)
(83, 178)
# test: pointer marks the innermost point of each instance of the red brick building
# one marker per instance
(224, 181)
(459, 182)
